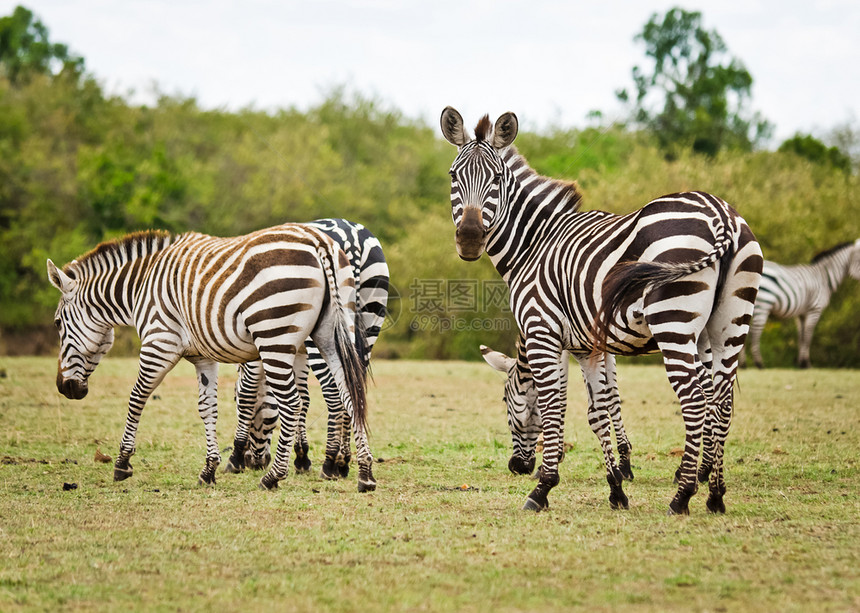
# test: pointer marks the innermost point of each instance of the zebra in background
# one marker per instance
(254, 401)
(524, 417)
(210, 300)
(677, 276)
(801, 292)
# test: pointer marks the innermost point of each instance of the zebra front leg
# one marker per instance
(543, 355)
(302, 461)
(247, 394)
(336, 462)
(153, 365)
(600, 397)
(261, 430)
(625, 448)
(207, 406)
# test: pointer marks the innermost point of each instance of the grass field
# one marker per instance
(789, 542)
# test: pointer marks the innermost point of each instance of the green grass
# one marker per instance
(789, 541)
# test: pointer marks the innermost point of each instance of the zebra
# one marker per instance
(210, 300)
(801, 292)
(254, 402)
(677, 276)
(524, 417)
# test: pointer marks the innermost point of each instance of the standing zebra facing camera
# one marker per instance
(801, 292)
(677, 276)
(256, 407)
(210, 300)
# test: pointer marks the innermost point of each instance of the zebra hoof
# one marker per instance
(716, 505)
(533, 505)
(678, 508)
(329, 471)
(268, 482)
(366, 486)
(619, 502)
(626, 471)
(302, 464)
(121, 474)
(201, 480)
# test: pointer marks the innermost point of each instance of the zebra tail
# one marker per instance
(354, 369)
(627, 281)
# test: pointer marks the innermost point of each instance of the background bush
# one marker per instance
(78, 167)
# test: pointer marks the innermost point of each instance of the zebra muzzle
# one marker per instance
(471, 235)
(73, 389)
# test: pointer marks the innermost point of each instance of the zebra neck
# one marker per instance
(834, 269)
(115, 272)
(535, 208)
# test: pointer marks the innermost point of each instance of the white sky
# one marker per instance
(550, 62)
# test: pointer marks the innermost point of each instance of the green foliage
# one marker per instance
(812, 149)
(25, 49)
(702, 92)
(78, 167)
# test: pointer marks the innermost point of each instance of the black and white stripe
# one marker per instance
(801, 292)
(210, 300)
(678, 276)
(254, 402)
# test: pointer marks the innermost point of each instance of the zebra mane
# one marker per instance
(483, 129)
(568, 190)
(828, 252)
(129, 247)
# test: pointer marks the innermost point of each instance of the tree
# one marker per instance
(25, 49)
(701, 89)
(815, 151)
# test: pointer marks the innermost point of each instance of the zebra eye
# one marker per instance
(57, 323)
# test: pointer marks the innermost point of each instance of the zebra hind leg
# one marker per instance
(625, 448)
(302, 461)
(282, 384)
(600, 399)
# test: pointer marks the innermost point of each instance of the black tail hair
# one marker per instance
(349, 351)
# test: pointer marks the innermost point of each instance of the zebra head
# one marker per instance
(83, 339)
(477, 175)
(521, 401)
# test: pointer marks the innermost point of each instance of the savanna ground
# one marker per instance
(444, 530)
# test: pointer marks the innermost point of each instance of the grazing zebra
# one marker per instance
(255, 404)
(210, 300)
(802, 292)
(677, 276)
(524, 416)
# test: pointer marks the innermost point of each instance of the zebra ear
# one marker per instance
(59, 279)
(505, 130)
(497, 359)
(452, 127)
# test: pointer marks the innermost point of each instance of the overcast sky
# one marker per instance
(551, 62)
